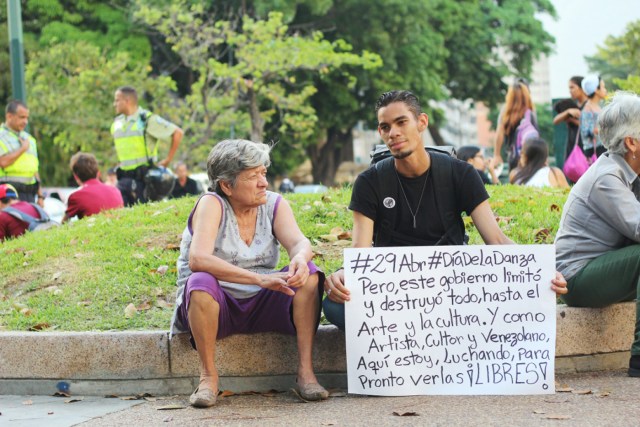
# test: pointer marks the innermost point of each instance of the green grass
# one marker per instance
(82, 276)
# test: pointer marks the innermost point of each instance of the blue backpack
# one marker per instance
(35, 224)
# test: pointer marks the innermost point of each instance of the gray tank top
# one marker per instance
(261, 256)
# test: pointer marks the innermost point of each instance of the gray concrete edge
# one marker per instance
(186, 385)
(161, 386)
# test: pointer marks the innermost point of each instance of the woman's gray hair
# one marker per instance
(619, 119)
(230, 157)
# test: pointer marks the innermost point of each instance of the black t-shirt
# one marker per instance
(469, 193)
(191, 187)
(483, 176)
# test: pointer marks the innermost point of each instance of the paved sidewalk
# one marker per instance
(613, 399)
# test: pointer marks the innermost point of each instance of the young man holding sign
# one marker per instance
(413, 215)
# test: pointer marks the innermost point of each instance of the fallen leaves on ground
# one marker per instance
(604, 394)
(555, 208)
(40, 326)
(586, 391)
(170, 407)
(163, 304)
(146, 305)
(541, 235)
(27, 402)
(74, 399)
(558, 417)
(162, 270)
(61, 394)
(539, 411)
(130, 311)
(405, 413)
(564, 389)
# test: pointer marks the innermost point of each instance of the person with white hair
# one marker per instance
(226, 268)
(598, 241)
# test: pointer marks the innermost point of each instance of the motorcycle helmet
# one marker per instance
(159, 182)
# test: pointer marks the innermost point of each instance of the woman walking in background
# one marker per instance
(517, 104)
(595, 90)
(569, 111)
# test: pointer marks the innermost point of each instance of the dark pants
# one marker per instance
(334, 312)
(131, 185)
(610, 278)
(26, 192)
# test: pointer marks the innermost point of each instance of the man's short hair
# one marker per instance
(129, 92)
(13, 105)
(84, 166)
(408, 98)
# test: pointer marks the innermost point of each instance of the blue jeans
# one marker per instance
(334, 312)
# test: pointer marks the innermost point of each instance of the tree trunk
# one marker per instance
(326, 156)
(435, 134)
(257, 122)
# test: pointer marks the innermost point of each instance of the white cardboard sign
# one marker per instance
(450, 320)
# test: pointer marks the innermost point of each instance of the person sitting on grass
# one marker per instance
(474, 155)
(10, 225)
(93, 196)
(226, 278)
(417, 221)
(533, 169)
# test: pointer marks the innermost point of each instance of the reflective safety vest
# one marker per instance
(25, 168)
(129, 138)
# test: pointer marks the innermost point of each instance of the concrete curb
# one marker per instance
(125, 363)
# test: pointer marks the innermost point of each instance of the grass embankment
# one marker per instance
(83, 276)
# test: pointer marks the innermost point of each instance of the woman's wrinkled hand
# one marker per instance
(335, 289)
(276, 282)
(298, 272)
(559, 284)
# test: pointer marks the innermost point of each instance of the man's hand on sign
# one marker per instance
(335, 289)
(559, 284)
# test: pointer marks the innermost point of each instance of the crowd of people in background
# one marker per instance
(140, 176)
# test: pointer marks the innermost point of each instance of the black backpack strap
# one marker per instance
(445, 197)
(386, 218)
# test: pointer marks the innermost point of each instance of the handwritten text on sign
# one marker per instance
(450, 320)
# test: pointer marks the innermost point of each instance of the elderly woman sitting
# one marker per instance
(225, 270)
(597, 244)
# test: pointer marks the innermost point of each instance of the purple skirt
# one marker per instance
(267, 311)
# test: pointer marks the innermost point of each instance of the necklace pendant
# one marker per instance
(414, 222)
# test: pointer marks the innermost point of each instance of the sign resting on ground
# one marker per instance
(450, 320)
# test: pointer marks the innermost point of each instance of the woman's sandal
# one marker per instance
(203, 398)
(312, 391)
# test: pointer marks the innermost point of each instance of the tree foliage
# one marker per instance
(250, 74)
(71, 88)
(46, 23)
(618, 60)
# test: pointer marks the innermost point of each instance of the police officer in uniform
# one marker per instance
(136, 133)
(19, 154)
